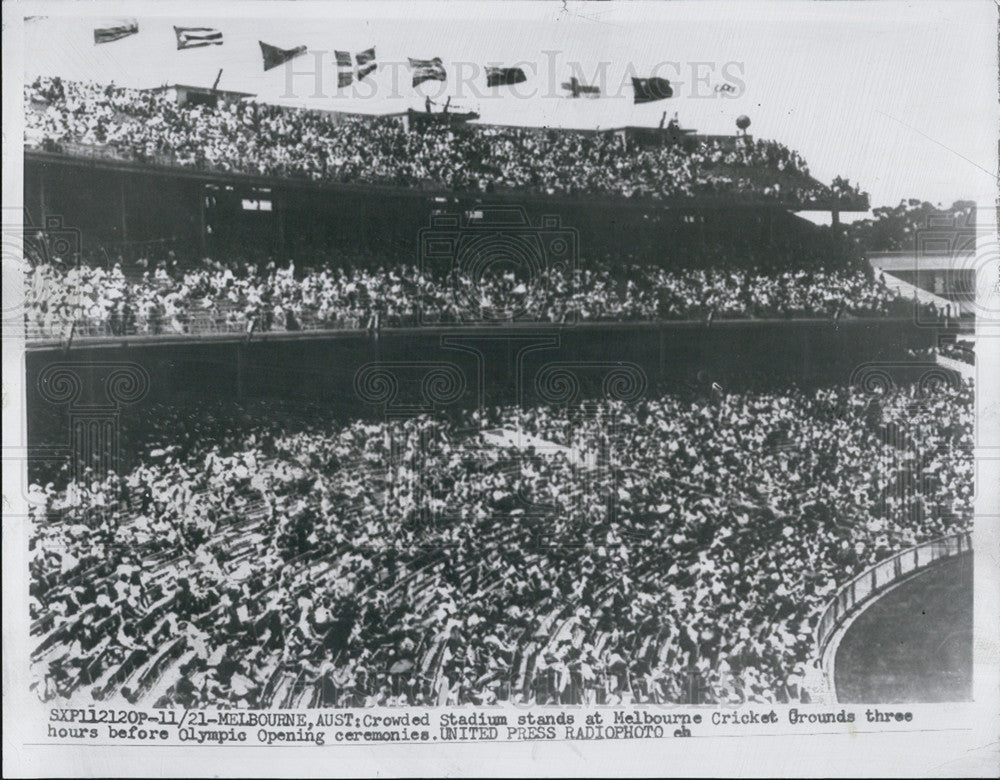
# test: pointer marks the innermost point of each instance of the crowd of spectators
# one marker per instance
(266, 139)
(675, 549)
(225, 297)
(314, 563)
(960, 349)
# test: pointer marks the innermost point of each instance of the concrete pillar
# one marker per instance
(41, 195)
(240, 369)
(122, 206)
(202, 238)
(278, 204)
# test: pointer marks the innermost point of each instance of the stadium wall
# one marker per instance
(107, 206)
(359, 373)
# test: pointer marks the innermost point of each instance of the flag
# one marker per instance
(273, 56)
(366, 62)
(119, 28)
(344, 73)
(648, 90)
(427, 70)
(577, 89)
(195, 37)
(496, 77)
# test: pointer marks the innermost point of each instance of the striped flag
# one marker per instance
(427, 70)
(273, 56)
(116, 30)
(196, 37)
(366, 62)
(345, 74)
(496, 77)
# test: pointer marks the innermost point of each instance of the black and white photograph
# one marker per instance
(536, 380)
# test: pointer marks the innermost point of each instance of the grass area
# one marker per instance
(914, 644)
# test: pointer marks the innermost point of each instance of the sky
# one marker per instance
(900, 98)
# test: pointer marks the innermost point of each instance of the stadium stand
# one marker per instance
(417, 562)
(215, 298)
(260, 139)
(674, 549)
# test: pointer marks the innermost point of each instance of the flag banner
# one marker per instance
(196, 37)
(273, 56)
(116, 30)
(496, 77)
(576, 89)
(427, 70)
(648, 90)
(345, 72)
(366, 62)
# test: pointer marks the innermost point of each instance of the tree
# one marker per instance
(894, 229)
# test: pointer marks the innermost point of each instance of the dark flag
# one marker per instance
(345, 74)
(116, 30)
(273, 56)
(576, 88)
(496, 77)
(427, 70)
(648, 90)
(196, 37)
(366, 62)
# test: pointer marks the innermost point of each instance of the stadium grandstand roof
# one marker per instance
(193, 88)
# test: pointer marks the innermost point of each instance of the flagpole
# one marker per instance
(217, 79)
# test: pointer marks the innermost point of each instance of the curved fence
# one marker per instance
(876, 579)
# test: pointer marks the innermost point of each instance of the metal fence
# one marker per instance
(199, 322)
(876, 579)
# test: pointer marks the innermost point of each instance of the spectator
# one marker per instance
(262, 139)
(283, 563)
(215, 296)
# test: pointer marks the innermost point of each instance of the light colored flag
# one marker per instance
(196, 37)
(115, 30)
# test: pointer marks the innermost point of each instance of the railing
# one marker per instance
(906, 290)
(207, 322)
(198, 322)
(193, 324)
(960, 351)
(876, 579)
